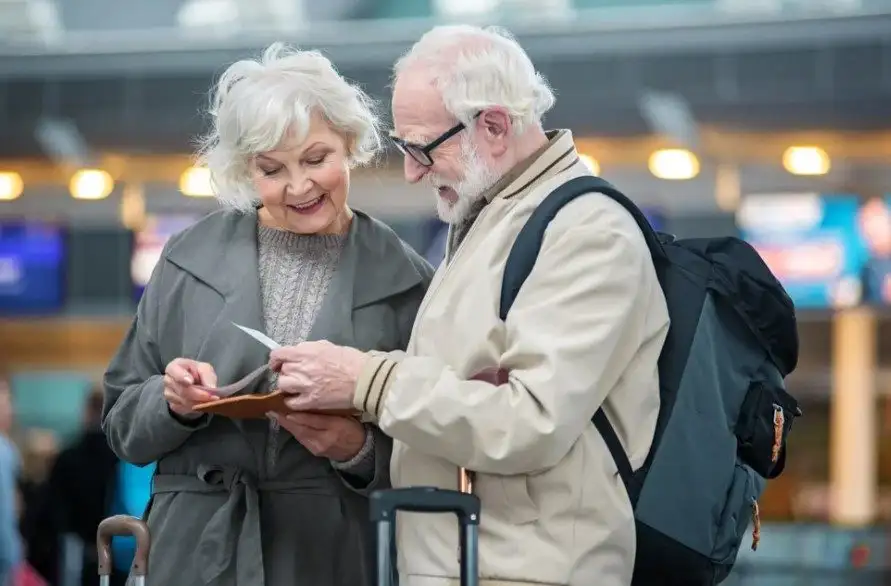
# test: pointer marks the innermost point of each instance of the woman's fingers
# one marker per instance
(194, 396)
(179, 379)
(179, 372)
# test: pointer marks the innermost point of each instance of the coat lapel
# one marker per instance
(232, 272)
(373, 266)
(334, 320)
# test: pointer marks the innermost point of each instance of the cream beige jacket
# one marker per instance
(586, 330)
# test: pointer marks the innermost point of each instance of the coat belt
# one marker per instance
(235, 527)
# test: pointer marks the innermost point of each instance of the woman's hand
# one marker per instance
(180, 378)
(334, 437)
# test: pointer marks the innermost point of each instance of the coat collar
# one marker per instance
(372, 253)
(221, 252)
(555, 157)
(558, 155)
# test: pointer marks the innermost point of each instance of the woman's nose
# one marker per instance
(299, 186)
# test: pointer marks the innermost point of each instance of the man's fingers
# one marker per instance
(206, 375)
(294, 383)
(299, 403)
(296, 353)
(282, 355)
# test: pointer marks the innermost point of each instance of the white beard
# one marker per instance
(478, 177)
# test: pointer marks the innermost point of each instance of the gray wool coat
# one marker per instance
(218, 516)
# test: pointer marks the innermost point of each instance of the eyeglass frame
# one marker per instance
(412, 148)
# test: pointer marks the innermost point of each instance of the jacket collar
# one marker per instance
(221, 251)
(556, 156)
(553, 158)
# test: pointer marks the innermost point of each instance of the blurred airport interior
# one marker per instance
(766, 119)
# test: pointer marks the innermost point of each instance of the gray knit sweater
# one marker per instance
(295, 272)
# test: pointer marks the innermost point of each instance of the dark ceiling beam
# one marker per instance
(651, 31)
(820, 85)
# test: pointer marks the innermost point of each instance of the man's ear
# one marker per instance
(495, 127)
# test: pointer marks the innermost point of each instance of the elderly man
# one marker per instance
(586, 330)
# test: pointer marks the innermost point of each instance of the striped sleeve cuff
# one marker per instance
(373, 384)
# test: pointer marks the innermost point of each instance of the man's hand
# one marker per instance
(327, 436)
(319, 376)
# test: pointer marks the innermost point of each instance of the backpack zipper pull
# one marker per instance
(756, 525)
(779, 420)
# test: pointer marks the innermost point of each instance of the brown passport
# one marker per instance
(257, 406)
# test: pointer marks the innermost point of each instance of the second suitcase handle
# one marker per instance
(123, 525)
(384, 505)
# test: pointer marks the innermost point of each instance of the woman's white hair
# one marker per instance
(257, 104)
(475, 68)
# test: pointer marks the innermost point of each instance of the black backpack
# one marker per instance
(725, 414)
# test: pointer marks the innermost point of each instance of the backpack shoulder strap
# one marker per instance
(526, 247)
(522, 257)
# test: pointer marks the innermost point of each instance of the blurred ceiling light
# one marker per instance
(806, 160)
(11, 185)
(464, 7)
(91, 184)
(195, 182)
(674, 164)
(591, 163)
(200, 14)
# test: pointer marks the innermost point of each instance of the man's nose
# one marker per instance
(414, 171)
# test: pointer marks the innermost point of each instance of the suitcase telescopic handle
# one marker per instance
(123, 526)
(384, 504)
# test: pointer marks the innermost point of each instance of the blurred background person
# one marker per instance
(77, 494)
(875, 227)
(10, 538)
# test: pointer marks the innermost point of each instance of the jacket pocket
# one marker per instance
(739, 509)
(520, 508)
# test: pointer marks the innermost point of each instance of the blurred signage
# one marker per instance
(875, 228)
(811, 242)
(31, 267)
(149, 243)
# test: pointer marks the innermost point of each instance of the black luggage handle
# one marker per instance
(424, 499)
(384, 504)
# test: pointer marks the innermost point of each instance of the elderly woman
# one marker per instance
(277, 502)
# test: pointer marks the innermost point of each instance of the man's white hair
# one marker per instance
(257, 104)
(475, 68)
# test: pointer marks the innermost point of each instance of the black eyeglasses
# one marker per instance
(421, 153)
